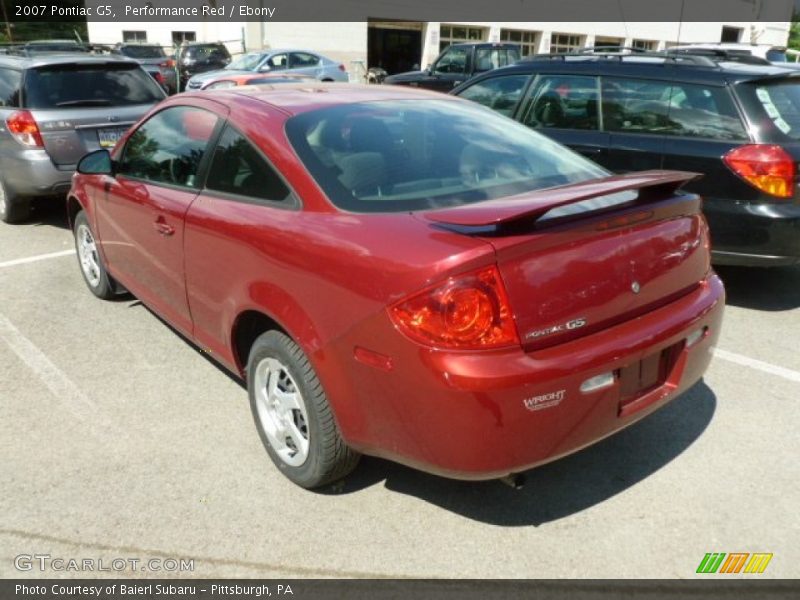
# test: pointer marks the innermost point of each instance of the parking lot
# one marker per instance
(122, 440)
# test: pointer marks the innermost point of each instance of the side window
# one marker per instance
(704, 112)
(562, 101)
(635, 106)
(279, 62)
(487, 59)
(238, 168)
(498, 93)
(169, 146)
(9, 87)
(303, 60)
(454, 60)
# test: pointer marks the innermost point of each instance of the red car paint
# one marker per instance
(328, 278)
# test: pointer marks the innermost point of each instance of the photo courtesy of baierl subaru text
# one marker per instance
(382, 299)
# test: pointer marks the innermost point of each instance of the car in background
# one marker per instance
(772, 54)
(194, 58)
(299, 62)
(458, 63)
(153, 60)
(737, 123)
(402, 273)
(234, 80)
(54, 109)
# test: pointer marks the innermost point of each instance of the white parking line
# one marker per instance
(38, 257)
(759, 365)
(61, 386)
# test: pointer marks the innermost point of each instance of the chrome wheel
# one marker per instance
(87, 254)
(281, 411)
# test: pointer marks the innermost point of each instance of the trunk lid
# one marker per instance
(603, 260)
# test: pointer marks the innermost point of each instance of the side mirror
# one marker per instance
(96, 163)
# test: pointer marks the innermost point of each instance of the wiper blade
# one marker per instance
(86, 102)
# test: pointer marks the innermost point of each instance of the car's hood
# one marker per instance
(405, 77)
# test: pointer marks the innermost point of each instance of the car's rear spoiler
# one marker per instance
(535, 204)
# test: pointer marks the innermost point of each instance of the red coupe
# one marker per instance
(403, 274)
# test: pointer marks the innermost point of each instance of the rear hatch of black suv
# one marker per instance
(84, 104)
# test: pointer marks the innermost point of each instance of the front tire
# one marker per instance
(91, 263)
(292, 414)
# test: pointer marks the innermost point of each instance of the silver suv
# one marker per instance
(56, 108)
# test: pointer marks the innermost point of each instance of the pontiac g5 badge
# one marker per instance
(568, 326)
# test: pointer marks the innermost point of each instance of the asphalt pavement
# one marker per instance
(120, 441)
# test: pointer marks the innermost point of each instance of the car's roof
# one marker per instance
(57, 58)
(296, 98)
(498, 44)
(635, 66)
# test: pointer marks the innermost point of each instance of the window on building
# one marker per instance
(527, 40)
(454, 34)
(731, 34)
(608, 42)
(561, 43)
(562, 101)
(134, 36)
(179, 37)
(645, 45)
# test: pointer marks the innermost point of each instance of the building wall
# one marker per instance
(347, 41)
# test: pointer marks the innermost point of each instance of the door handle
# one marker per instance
(162, 227)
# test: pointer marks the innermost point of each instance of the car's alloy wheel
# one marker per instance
(281, 411)
(87, 254)
(91, 262)
(292, 414)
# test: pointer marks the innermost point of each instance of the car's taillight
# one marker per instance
(467, 312)
(159, 78)
(341, 67)
(23, 127)
(167, 64)
(764, 166)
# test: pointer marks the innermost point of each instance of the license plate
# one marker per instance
(108, 138)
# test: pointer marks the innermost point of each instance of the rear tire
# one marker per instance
(13, 209)
(292, 414)
(90, 261)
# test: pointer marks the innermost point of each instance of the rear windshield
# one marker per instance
(211, 52)
(74, 85)
(781, 103)
(393, 156)
(142, 51)
(776, 56)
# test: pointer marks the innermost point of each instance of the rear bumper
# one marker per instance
(753, 234)
(31, 173)
(465, 415)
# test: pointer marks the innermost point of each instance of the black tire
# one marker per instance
(328, 457)
(13, 209)
(100, 283)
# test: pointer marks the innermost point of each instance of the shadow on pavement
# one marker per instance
(52, 213)
(561, 488)
(775, 289)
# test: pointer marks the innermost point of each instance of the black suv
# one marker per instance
(199, 57)
(737, 124)
(457, 63)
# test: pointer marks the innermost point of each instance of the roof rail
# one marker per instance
(729, 54)
(674, 59)
(608, 49)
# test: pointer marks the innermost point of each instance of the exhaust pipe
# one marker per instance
(514, 480)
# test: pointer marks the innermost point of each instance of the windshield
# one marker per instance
(65, 85)
(393, 156)
(245, 62)
(142, 51)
